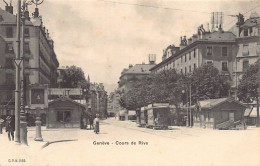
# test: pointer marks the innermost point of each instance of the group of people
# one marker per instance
(93, 123)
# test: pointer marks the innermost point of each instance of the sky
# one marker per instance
(104, 37)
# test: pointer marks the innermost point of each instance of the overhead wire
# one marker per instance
(152, 6)
(243, 14)
(168, 8)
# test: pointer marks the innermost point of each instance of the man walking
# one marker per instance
(10, 127)
(91, 122)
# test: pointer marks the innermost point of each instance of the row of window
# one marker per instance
(10, 32)
(188, 54)
(223, 51)
(9, 48)
(190, 69)
(224, 65)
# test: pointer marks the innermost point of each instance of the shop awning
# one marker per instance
(131, 112)
(248, 111)
(254, 112)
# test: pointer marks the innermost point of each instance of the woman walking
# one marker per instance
(96, 123)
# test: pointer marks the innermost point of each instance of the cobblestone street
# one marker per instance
(113, 146)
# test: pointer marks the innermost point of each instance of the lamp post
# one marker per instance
(21, 127)
(17, 76)
(23, 123)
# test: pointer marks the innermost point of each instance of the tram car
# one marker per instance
(158, 116)
(143, 117)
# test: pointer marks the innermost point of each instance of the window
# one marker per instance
(190, 68)
(224, 51)
(181, 59)
(185, 71)
(26, 32)
(209, 50)
(9, 32)
(9, 78)
(181, 71)
(245, 65)
(258, 48)
(245, 49)
(26, 48)
(194, 54)
(63, 116)
(194, 66)
(224, 66)
(245, 32)
(209, 62)
(185, 58)
(9, 63)
(9, 48)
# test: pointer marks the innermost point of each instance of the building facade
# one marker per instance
(248, 41)
(134, 73)
(40, 60)
(97, 101)
(217, 48)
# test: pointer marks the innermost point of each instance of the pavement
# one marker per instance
(177, 146)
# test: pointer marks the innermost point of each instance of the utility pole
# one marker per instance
(190, 105)
(17, 76)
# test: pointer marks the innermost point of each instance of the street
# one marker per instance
(122, 143)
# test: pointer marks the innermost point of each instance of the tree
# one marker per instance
(207, 82)
(248, 88)
(73, 77)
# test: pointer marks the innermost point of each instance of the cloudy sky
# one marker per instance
(103, 37)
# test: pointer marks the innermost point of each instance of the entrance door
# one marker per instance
(231, 116)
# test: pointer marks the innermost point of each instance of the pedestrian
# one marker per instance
(10, 127)
(91, 122)
(96, 122)
(84, 123)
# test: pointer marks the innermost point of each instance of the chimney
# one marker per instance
(152, 59)
(184, 40)
(27, 15)
(36, 13)
(47, 33)
(182, 45)
(220, 30)
(9, 8)
(189, 41)
(130, 66)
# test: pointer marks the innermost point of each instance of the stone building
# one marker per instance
(97, 100)
(217, 48)
(248, 41)
(133, 73)
(113, 105)
(40, 60)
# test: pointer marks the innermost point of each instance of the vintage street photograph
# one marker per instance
(129, 83)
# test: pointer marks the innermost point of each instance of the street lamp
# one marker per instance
(21, 127)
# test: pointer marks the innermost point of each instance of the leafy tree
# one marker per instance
(206, 82)
(73, 77)
(248, 88)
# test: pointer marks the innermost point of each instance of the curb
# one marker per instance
(52, 142)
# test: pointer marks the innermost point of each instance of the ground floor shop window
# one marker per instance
(63, 116)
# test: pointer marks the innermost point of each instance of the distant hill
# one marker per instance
(110, 87)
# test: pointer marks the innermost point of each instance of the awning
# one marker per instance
(131, 112)
(254, 112)
(122, 112)
(248, 111)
